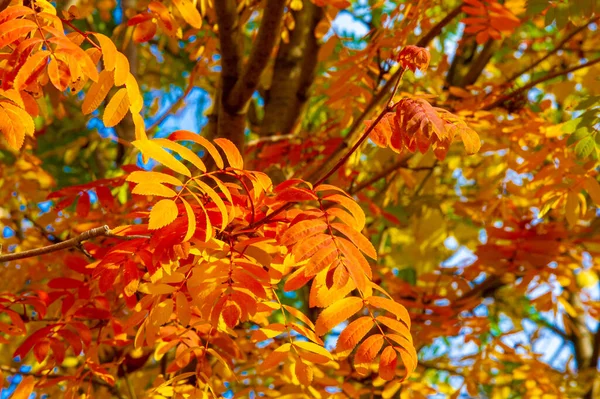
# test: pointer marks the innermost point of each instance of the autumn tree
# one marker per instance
(299, 198)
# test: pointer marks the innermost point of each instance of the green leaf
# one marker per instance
(585, 147)
(579, 134)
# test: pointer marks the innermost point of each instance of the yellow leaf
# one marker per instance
(15, 123)
(183, 308)
(135, 97)
(162, 214)
(121, 69)
(162, 313)
(587, 278)
(191, 217)
(109, 51)
(150, 188)
(152, 150)
(189, 12)
(314, 348)
(470, 140)
(337, 313)
(185, 153)
(116, 109)
(140, 127)
(97, 92)
(571, 208)
(142, 176)
(593, 189)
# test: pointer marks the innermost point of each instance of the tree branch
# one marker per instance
(293, 73)
(538, 81)
(73, 242)
(267, 38)
(553, 51)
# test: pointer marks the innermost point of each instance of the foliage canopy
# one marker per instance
(299, 198)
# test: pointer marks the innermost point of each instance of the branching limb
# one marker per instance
(75, 242)
(538, 81)
(558, 47)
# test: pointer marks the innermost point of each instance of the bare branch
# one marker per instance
(538, 81)
(73, 242)
(553, 51)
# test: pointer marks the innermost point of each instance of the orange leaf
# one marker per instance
(357, 238)
(144, 31)
(304, 373)
(13, 30)
(231, 313)
(276, 357)
(162, 214)
(337, 313)
(366, 353)
(388, 363)
(351, 205)
(152, 150)
(352, 334)
(398, 326)
(391, 306)
(302, 230)
(31, 68)
(232, 153)
(321, 260)
(116, 109)
(15, 123)
(97, 92)
(25, 388)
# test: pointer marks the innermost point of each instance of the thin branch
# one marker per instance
(538, 81)
(553, 51)
(437, 29)
(103, 231)
(267, 38)
(175, 103)
(402, 164)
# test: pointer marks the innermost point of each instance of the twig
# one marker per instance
(538, 81)
(553, 51)
(103, 231)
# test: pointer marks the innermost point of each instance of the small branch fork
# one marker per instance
(75, 242)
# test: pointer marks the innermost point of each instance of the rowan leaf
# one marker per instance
(162, 214)
(337, 313)
(97, 92)
(191, 219)
(391, 306)
(25, 387)
(276, 357)
(143, 176)
(353, 334)
(302, 230)
(366, 353)
(31, 68)
(116, 109)
(151, 149)
(357, 238)
(388, 363)
(151, 188)
(109, 51)
(231, 152)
